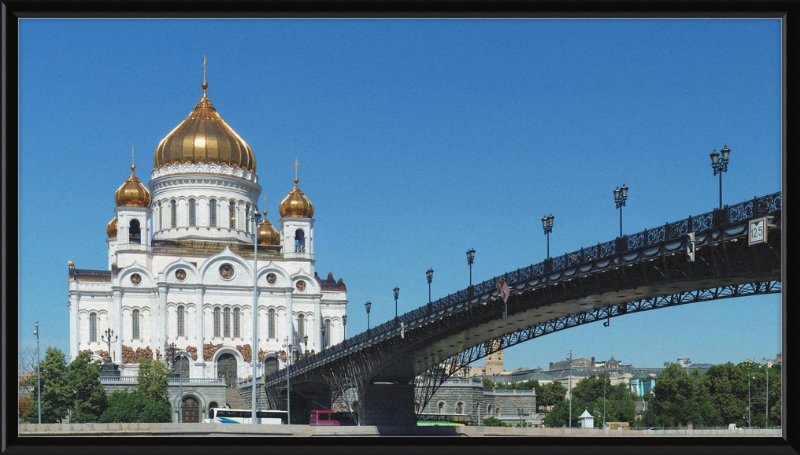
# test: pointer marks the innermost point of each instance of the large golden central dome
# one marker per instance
(204, 138)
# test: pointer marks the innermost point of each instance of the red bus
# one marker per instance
(323, 417)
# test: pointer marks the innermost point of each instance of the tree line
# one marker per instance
(715, 399)
(74, 390)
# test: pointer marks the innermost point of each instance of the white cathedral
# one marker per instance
(181, 265)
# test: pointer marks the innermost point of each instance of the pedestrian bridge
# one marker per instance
(404, 360)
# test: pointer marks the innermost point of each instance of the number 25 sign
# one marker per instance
(757, 231)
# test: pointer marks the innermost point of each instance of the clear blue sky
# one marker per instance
(417, 140)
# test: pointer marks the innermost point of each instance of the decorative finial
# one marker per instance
(133, 166)
(204, 84)
(265, 206)
(295, 171)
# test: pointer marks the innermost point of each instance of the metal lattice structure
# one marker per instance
(639, 272)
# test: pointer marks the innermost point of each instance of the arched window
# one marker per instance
(488, 409)
(416, 408)
(192, 213)
(216, 322)
(232, 214)
(92, 326)
(441, 407)
(226, 322)
(160, 216)
(180, 321)
(300, 326)
(236, 322)
(134, 233)
(355, 406)
(459, 408)
(173, 213)
(327, 341)
(271, 324)
(299, 241)
(247, 223)
(497, 411)
(212, 212)
(135, 320)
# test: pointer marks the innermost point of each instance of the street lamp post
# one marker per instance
(620, 196)
(368, 306)
(305, 340)
(719, 166)
(396, 291)
(38, 371)
(171, 349)
(107, 339)
(749, 403)
(344, 325)
(766, 413)
(180, 385)
(289, 349)
(254, 217)
(547, 225)
(470, 259)
(324, 338)
(570, 388)
(429, 275)
(605, 376)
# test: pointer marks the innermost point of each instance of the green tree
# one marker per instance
(152, 394)
(551, 394)
(153, 384)
(123, 407)
(488, 384)
(56, 394)
(559, 415)
(89, 396)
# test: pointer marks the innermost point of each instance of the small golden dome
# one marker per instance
(296, 204)
(111, 228)
(132, 193)
(267, 234)
(203, 137)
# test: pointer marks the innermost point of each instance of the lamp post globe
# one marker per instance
(470, 259)
(429, 276)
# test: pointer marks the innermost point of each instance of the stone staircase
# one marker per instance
(234, 399)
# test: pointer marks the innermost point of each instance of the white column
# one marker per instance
(318, 324)
(162, 313)
(199, 323)
(74, 326)
(117, 354)
(289, 318)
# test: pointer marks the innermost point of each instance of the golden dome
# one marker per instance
(111, 228)
(267, 234)
(132, 193)
(296, 204)
(204, 138)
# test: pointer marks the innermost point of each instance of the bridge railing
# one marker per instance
(670, 232)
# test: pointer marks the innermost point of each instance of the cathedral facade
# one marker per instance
(182, 268)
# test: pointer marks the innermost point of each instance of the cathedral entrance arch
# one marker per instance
(227, 369)
(191, 410)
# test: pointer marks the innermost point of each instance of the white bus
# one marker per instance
(263, 416)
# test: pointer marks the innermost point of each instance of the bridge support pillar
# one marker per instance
(388, 404)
